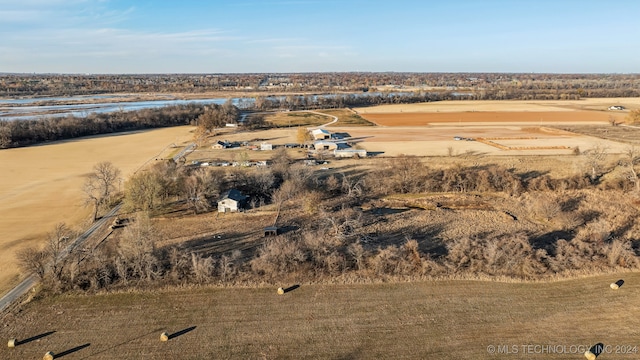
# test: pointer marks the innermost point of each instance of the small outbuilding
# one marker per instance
(325, 145)
(271, 231)
(266, 146)
(350, 153)
(221, 145)
(232, 201)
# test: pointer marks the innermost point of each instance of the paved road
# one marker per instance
(28, 283)
(188, 149)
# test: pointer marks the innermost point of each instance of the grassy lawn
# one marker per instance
(421, 320)
(292, 119)
(347, 118)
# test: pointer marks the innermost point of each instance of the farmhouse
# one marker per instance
(320, 134)
(232, 201)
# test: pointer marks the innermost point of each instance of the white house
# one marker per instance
(231, 201)
(266, 146)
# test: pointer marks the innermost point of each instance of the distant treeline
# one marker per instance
(484, 85)
(28, 132)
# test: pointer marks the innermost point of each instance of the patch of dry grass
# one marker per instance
(346, 117)
(456, 319)
(296, 118)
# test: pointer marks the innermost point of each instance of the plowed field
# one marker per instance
(546, 117)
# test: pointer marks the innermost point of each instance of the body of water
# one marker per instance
(18, 109)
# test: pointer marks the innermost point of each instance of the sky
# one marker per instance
(257, 36)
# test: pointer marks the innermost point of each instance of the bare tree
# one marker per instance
(634, 117)
(100, 185)
(594, 158)
(137, 249)
(58, 241)
(144, 190)
(195, 191)
(49, 259)
(32, 260)
(632, 161)
(303, 135)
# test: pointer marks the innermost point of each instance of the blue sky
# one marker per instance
(188, 36)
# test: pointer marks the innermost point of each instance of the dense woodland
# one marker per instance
(482, 85)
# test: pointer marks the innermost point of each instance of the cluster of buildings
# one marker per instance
(324, 142)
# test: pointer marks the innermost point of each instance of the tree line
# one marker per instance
(486, 85)
(27, 132)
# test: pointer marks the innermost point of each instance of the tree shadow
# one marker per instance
(548, 241)
(590, 215)
(374, 153)
(571, 204)
(385, 211)
(287, 229)
(619, 232)
(529, 175)
(33, 338)
(71, 351)
(181, 332)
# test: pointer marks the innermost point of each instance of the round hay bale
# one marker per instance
(280, 291)
(616, 285)
(589, 355)
(164, 337)
(12, 343)
(48, 356)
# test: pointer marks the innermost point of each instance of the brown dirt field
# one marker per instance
(600, 104)
(436, 140)
(40, 186)
(457, 319)
(533, 117)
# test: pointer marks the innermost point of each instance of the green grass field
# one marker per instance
(457, 319)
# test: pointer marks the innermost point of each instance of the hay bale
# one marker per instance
(164, 337)
(280, 291)
(594, 351)
(616, 285)
(48, 356)
(12, 343)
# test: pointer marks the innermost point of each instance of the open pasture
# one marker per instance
(443, 319)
